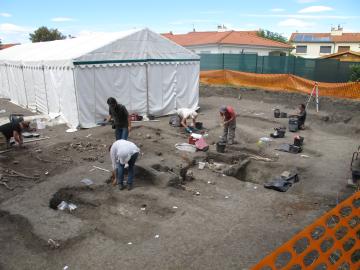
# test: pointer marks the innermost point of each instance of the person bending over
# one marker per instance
(302, 116)
(12, 130)
(123, 152)
(187, 114)
(228, 116)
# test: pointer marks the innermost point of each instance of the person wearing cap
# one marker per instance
(228, 116)
(10, 130)
(185, 114)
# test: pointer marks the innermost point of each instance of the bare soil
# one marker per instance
(217, 219)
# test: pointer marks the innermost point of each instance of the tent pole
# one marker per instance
(147, 89)
(26, 95)
(47, 101)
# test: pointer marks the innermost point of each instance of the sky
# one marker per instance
(18, 18)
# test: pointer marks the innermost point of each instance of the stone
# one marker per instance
(148, 136)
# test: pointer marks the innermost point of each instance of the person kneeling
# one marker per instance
(185, 114)
(123, 152)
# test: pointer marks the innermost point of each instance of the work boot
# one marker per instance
(129, 187)
(121, 187)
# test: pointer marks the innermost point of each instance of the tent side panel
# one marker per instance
(162, 85)
(29, 86)
(17, 90)
(4, 86)
(85, 89)
(61, 94)
(187, 87)
(127, 84)
(40, 88)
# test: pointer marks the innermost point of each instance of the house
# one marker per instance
(314, 45)
(8, 45)
(348, 56)
(231, 42)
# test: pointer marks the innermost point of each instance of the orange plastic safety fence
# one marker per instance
(280, 82)
(331, 242)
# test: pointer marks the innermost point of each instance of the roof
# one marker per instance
(227, 37)
(8, 45)
(341, 53)
(128, 45)
(324, 37)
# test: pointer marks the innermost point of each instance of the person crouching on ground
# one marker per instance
(187, 114)
(228, 116)
(301, 116)
(119, 114)
(123, 152)
(12, 130)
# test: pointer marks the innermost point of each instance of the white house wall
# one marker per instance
(313, 49)
(261, 51)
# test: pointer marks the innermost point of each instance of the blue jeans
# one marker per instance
(120, 169)
(121, 133)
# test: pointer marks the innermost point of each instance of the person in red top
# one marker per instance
(228, 116)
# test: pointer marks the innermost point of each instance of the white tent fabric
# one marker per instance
(74, 77)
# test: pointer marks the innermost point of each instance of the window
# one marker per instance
(325, 49)
(343, 48)
(301, 49)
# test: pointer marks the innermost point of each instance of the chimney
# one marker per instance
(336, 31)
(171, 32)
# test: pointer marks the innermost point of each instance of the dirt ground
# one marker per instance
(162, 223)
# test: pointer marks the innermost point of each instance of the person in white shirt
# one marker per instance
(123, 152)
(184, 114)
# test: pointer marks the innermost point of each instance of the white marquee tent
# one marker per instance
(74, 77)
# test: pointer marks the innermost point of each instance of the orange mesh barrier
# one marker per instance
(331, 242)
(280, 82)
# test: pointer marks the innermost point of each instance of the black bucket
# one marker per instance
(220, 147)
(355, 176)
(15, 118)
(198, 125)
(293, 123)
(277, 113)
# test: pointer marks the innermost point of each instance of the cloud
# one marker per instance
(300, 16)
(277, 10)
(6, 15)
(10, 28)
(306, 1)
(315, 9)
(295, 23)
(62, 19)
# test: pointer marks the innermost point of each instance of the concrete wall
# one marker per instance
(313, 49)
(235, 49)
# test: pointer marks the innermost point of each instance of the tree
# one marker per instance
(355, 73)
(45, 34)
(272, 35)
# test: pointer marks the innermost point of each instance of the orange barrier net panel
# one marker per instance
(331, 242)
(280, 82)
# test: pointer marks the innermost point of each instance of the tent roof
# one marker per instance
(129, 45)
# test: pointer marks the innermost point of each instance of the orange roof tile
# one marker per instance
(5, 46)
(227, 37)
(345, 37)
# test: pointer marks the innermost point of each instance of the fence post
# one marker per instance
(223, 61)
(294, 68)
(262, 65)
(256, 63)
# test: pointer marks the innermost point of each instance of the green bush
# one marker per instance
(355, 73)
